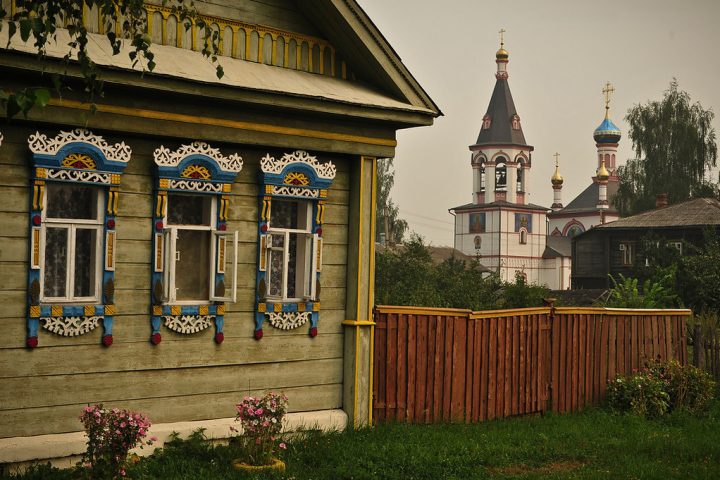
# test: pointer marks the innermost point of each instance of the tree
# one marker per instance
(675, 149)
(39, 20)
(387, 215)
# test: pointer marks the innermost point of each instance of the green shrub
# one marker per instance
(642, 394)
(689, 387)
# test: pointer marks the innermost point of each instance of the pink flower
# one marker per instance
(153, 438)
(283, 446)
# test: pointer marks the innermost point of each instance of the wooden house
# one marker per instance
(612, 248)
(196, 239)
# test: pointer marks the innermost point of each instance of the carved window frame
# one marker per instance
(194, 169)
(77, 157)
(295, 176)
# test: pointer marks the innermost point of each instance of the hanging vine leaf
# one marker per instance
(39, 21)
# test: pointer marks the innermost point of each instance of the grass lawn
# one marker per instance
(593, 444)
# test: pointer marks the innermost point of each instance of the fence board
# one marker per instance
(440, 366)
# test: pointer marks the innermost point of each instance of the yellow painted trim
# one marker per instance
(623, 311)
(357, 375)
(510, 312)
(422, 310)
(371, 287)
(222, 122)
(358, 323)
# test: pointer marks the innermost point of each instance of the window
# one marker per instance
(523, 236)
(72, 230)
(515, 122)
(486, 122)
(292, 213)
(500, 174)
(73, 208)
(627, 256)
(194, 252)
(678, 246)
(574, 230)
(520, 186)
(290, 245)
(194, 248)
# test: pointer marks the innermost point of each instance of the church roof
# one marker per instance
(607, 132)
(501, 110)
(557, 246)
(588, 199)
(695, 212)
(499, 204)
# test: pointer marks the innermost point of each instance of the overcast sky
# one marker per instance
(561, 54)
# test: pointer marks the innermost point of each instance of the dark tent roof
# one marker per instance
(500, 110)
(696, 212)
(588, 198)
(557, 246)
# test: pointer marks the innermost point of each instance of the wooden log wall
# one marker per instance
(440, 365)
(186, 377)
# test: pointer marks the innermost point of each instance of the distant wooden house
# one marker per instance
(612, 248)
(196, 239)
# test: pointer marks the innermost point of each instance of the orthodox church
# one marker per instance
(594, 205)
(500, 227)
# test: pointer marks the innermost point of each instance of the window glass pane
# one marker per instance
(299, 265)
(189, 209)
(85, 262)
(284, 214)
(275, 273)
(56, 255)
(72, 201)
(292, 266)
(192, 269)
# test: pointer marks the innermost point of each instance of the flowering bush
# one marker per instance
(689, 387)
(111, 433)
(660, 388)
(642, 393)
(261, 419)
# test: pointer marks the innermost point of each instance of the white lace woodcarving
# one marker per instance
(70, 326)
(164, 157)
(79, 175)
(188, 323)
(295, 191)
(326, 170)
(288, 320)
(195, 185)
(1, 138)
(40, 143)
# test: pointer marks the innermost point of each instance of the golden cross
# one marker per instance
(502, 30)
(607, 91)
(557, 155)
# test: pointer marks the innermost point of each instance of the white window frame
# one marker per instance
(71, 224)
(313, 246)
(678, 245)
(627, 256)
(170, 236)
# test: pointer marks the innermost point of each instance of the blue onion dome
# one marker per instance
(607, 132)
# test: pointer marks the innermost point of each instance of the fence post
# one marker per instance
(698, 346)
(549, 381)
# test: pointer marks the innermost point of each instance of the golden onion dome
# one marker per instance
(557, 179)
(602, 172)
(502, 54)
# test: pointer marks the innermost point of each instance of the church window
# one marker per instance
(486, 122)
(574, 230)
(72, 237)
(627, 253)
(482, 177)
(194, 253)
(292, 213)
(520, 178)
(523, 236)
(500, 174)
(515, 122)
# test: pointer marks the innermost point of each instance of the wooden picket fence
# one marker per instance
(706, 350)
(440, 365)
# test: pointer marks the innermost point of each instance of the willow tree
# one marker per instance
(38, 21)
(387, 217)
(674, 145)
